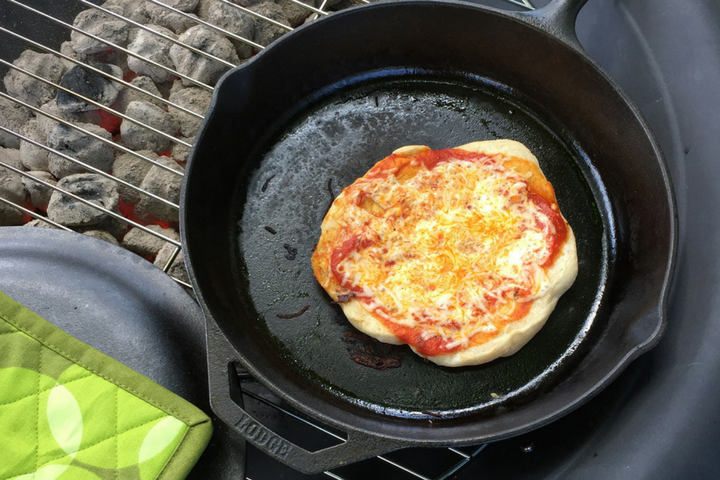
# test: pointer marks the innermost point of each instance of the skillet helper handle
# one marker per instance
(358, 445)
(557, 18)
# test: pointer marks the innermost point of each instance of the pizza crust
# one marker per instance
(511, 148)
(514, 336)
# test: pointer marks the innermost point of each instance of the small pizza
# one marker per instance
(460, 253)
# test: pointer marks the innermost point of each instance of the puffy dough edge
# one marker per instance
(512, 148)
(561, 276)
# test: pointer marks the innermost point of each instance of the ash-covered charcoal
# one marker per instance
(165, 17)
(70, 212)
(194, 99)
(102, 25)
(89, 84)
(234, 21)
(265, 32)
(296, 14)
(112, 56)
(81, 146)
(11, 156)
(371, 353)
(11, 186)
(66, 48)
(46, 123)
(10, 216)
(115, 227)
(128, 95)
(51, 108)
(182, 5)
(132, 169)
(180, 153)
(248, 3)
(155, 48)
(199, 67)
(203, 8)
(164, 184)
(145, 244)
(32, 156)
(176, 86)
(37, 223)
(336, 6)
(177, 268)
(332, 3)
(131, 9)
(39, 193)
(12, 116)
(102, 235)
(138, 137)
(26, 88)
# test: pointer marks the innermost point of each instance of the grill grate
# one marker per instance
(448, 460)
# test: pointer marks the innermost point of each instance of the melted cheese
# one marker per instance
(452, 250)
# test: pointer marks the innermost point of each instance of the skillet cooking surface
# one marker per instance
(336, 140)
(604, 157)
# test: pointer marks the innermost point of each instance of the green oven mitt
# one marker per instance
(70, 412)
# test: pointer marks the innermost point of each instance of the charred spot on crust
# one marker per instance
(343, 298)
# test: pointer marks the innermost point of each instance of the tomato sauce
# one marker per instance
(557, 238)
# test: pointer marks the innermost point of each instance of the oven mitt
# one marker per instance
(70, 412)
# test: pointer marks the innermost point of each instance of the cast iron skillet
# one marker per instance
(310, 114)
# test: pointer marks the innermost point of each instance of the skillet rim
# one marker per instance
(523, 19)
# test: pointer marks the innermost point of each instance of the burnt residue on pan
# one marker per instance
(286, 316)
(368, 352)
(341, 137)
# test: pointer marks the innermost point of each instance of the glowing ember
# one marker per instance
(110, 122)
(128, 211)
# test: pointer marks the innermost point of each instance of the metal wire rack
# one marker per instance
(445, 462)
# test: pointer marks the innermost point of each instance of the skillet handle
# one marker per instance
(221, 358)
(556, 18)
